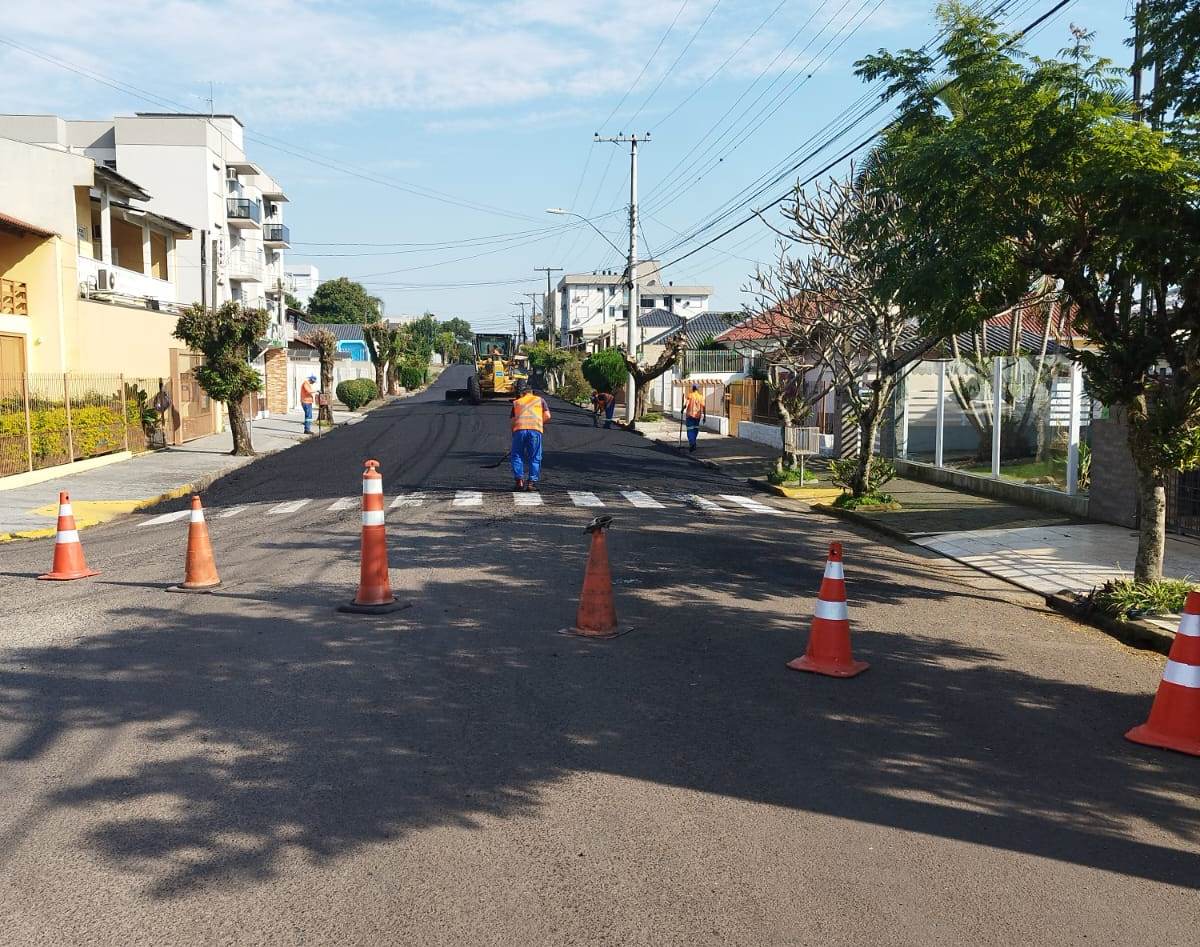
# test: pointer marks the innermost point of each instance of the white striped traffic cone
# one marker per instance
(829, 640)
(68, 551)
(1174, 722)
(374, 585)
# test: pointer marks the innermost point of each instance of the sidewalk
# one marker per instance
(106, 492)
(1041, 551)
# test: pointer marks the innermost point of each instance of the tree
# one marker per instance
(425, 332)
(224, 337)
(1042, 174)
(605, 370)
(644, 374)
(445, 344)
(550, 362)
(292, 302)
(830, 308)
(325, 342)
(1169, 31)
(378, 339)
(343, 300)
(459, 328)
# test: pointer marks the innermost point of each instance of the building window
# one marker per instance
(647, 302)
(612, 291)
(612, 312)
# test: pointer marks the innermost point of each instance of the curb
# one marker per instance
(1135, 632)
(865, 520)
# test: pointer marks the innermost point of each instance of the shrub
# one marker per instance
(880, 471)
(356, 392)
(790, 475)
(651, 416)
(1126, 598)
(574, 385)
(605, 370)
(848, 502)
(411, 373)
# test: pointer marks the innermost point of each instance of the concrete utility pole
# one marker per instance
(634, 300)
(550, 332)
(533, 313)
(521, 330)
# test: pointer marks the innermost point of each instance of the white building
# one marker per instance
(196, 169)
(593, 307)
(301, 282)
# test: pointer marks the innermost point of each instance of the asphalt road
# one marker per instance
(252, 767)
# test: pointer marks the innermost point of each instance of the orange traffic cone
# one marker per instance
(829, 640)
(68, 552)
(596, 616)
(200, 570)
(374, 586)
(1174, 722)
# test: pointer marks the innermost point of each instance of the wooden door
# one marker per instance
(12, 364)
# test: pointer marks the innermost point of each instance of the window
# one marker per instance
(612, 291)
(612, 312)
(647, 302)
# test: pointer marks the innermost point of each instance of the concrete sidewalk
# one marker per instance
(103, 493)
(1040, 551)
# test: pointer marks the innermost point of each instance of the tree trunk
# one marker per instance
(643, 389)
(391, 379)
(325, 412)
(1152, 523)
(380, 377)
(240, 430)
(868, 426)
(786, 458)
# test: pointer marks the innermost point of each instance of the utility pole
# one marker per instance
(634, 300)
(204, 269)
(533, 313)
(521, 330)
(550, 332)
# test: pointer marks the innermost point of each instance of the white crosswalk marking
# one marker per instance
(702, 503)
(749, 504)
(345, 503)
(527, 499)
(289, 506)
(582, 498)
(166, 518)
(643, 501)
(468, 498)
(408, 499)
(232, 511)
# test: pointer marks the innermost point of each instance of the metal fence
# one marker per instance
(711, 361)
(52, 419)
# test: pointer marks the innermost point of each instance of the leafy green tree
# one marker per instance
(343, 300)
(378, 337)
(445, 343)
(325, 342)
(550, 362)
(1042, 174)
(605, 370)
(1169, 31)
(459, 328)
(292, 302)
(224, 337)
(425, 332)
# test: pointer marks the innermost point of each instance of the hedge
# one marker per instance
(356, 392)
(95, 430)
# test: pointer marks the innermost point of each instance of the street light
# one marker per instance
(563, 212)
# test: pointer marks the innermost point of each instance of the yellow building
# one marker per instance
(87, 273)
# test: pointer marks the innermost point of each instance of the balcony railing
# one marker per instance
(14, 297)
(239, 208)
(714, 361)
(277, 234)
(244, 267)
(100, 277)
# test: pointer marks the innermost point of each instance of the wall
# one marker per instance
(1113, 493)
(127, 245)
(276, 365)
(1022, 493)
(111, 338)
(33, 260)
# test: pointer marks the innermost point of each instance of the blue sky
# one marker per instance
(420, 142)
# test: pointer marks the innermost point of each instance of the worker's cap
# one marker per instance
(522, 386)
(312, 377)
(695, 387)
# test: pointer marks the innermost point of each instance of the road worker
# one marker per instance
(529, 416)
(597, 407)
(694, 412)
(308, 394)
(610, 407)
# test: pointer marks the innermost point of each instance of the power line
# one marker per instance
(671, 68)
(646, 66)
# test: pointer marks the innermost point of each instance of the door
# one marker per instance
(12, 364)
(742, 395)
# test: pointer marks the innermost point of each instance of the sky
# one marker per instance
(421, 141)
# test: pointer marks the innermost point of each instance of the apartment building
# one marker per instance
(593, 308)
(196, 168)
(88, 274)
(301, 282)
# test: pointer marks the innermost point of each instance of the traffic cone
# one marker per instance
(200, 571)
(596, 616)
(68, 552)
(1174, 722)
(374, 586)
(829, 640)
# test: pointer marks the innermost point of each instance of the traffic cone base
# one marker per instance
(68, 561)
(1174, 722)
(384, 608)
(828, 668)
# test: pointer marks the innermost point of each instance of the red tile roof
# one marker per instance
(15, 225)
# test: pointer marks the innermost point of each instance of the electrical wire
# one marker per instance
(646, 65)
(674, 63)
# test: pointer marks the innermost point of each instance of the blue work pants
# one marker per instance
(527, 455)
(307, 417)
(693, 431)
(609, 410)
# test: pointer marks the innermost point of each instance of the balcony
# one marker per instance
(276, 236)
(242, 213)
(711, 362)
(244, 267)
(96, 276)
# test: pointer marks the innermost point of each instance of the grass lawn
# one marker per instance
(1028, 470)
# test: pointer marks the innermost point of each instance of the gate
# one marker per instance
(1183, 503)
(741, 397)
(193, 414)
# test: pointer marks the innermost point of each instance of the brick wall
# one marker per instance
(1113, 494)
(276, 381)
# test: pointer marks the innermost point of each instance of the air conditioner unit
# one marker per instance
(106, 281)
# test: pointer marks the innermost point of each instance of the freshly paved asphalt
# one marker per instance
(252, 767)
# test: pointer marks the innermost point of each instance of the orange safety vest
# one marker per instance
(306, 392)
(529, 413)
(694, 404)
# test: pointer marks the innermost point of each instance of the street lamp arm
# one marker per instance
(563, 212)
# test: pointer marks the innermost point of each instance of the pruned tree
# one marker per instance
(643, 374)
(325, 342)
(225, 336)
(378, 339)
(830, 307)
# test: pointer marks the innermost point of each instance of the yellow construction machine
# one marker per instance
(498, 368)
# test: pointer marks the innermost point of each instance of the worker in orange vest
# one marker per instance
(694, 412)
(529, 416)
(308, 394)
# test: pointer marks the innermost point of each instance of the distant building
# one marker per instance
(301, 282)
